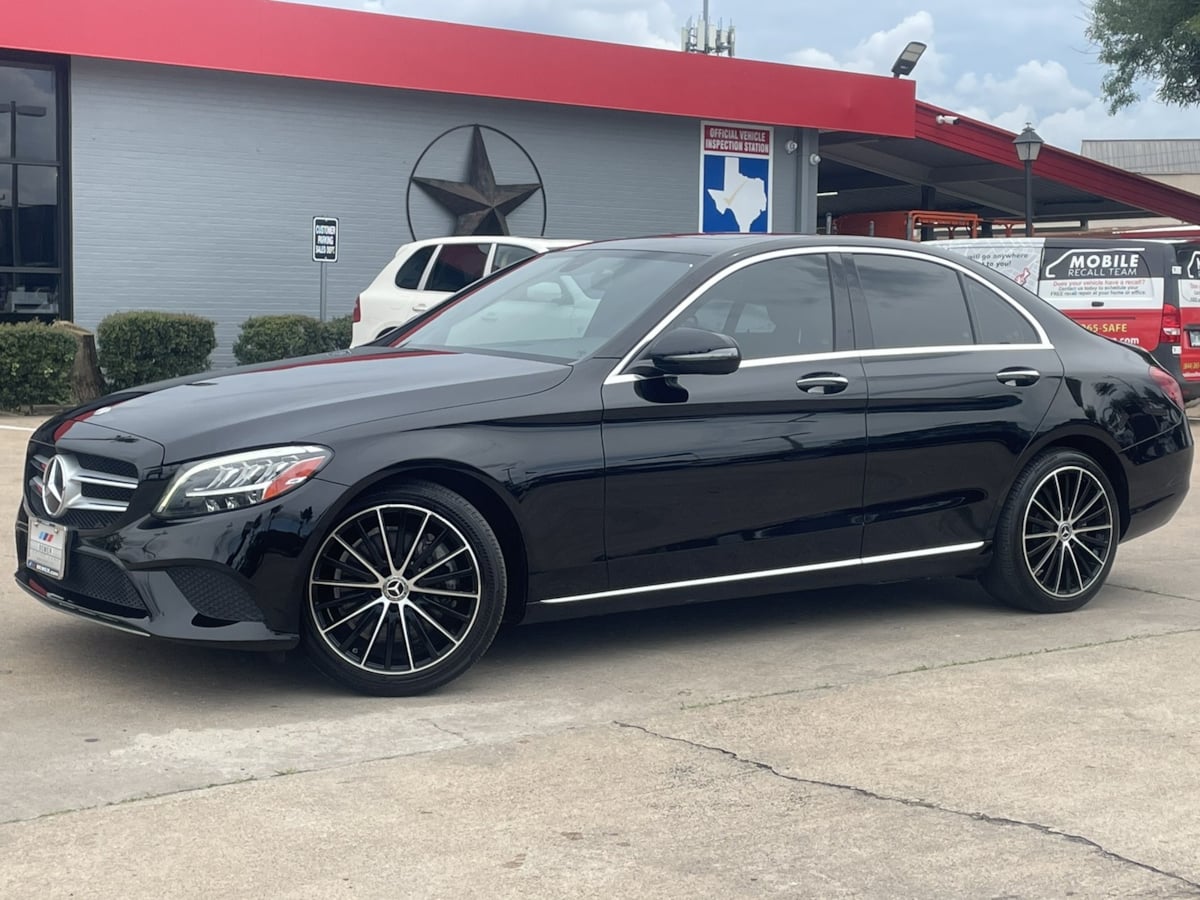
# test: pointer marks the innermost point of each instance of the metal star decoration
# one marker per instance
(480, 205)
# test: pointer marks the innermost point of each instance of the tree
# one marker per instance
(1148, 39)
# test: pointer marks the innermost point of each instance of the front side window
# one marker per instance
(456, 266)
(510, 254)
(32, 279)
(562, 306)
(775, 308)
(912, 302)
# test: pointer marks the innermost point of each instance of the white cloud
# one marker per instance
(1042, 92)
(652, 24)
(876, 53)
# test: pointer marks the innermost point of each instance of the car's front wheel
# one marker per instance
(1057, 535)
(406, 592)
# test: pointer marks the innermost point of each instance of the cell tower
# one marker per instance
(701, 36)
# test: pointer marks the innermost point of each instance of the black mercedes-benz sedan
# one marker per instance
(620, 425)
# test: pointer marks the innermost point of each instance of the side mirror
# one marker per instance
(693, 351)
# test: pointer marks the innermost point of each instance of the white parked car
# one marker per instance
(423, 273)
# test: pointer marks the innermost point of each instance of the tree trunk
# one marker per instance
(87, 382)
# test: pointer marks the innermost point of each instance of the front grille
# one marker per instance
(97, 584)
(214, 594)
(97, 489)
(109, 466)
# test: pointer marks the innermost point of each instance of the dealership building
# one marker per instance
(201, 157)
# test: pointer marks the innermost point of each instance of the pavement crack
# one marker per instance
(1141, 590)
(458, 734)
(918, 804)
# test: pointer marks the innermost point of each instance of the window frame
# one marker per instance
(865, 338)
(850, 331)
(61, 165)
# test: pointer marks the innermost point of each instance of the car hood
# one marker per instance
(299, 399)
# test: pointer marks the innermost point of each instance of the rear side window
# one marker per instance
(409, 275)
(457, 266)
(913, 303)
(995, 320)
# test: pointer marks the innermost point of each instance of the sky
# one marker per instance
(1007, 62)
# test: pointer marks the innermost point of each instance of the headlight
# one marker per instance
(240, 480)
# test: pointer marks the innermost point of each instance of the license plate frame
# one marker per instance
(47, 548)
(1193, 338)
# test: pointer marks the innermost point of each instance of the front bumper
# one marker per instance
(234, 579)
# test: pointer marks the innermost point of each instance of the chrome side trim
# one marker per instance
(629, 378)
(616, 375)
(771, 573)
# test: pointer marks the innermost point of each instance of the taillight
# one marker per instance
(1169, 385)
(1172, 328)
(357, 309)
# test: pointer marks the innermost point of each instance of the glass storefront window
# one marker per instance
(32, 181)
(29, 108)
(37, 215)
(6, 215)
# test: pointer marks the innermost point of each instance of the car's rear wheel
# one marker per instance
(1057, 536)
(405, 593)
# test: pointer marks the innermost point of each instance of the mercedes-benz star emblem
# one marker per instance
(479, 205)
(55, 485)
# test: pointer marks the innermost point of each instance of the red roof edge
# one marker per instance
(297, 40)
(996, 145)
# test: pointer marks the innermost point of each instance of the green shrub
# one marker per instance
(268, 338)
(142, 347)
(338, 333)
(35, 365)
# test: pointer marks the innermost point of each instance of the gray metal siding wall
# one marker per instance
(195, 191)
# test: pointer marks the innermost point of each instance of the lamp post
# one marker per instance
(1028, 145)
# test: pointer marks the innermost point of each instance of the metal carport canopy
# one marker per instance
(970, 166)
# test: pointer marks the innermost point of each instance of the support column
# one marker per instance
(808, 140)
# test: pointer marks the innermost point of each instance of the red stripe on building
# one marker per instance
(269, 37)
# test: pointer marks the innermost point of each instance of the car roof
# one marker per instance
(737, 244)
(535, 243)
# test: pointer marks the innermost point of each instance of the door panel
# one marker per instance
(722, 475)
(957, 389)
(945, 434)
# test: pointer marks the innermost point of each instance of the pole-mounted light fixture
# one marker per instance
(907, 60)
(1029, 145)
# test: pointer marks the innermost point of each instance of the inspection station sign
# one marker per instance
(735, 177)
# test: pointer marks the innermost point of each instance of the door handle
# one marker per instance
(823, 383)
(1016, 377)
(420, 307)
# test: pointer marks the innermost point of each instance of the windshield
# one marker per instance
(563, 305)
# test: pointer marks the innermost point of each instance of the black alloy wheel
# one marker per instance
(1057, 536)
(406, 592)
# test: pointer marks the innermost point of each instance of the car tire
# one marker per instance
(1057, 536)
(406, 591)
